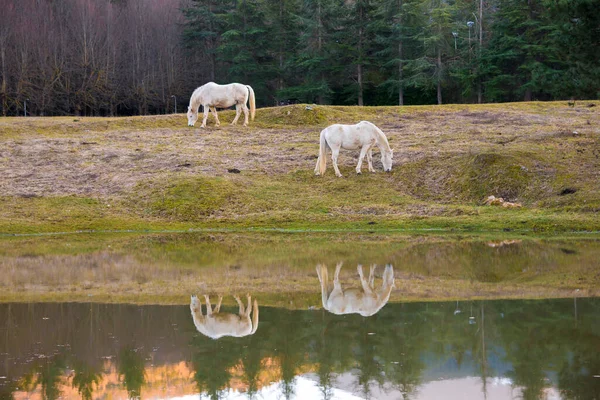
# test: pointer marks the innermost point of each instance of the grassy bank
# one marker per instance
(154, 173)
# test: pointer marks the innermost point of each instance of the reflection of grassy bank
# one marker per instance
(280, 268)
(155, 173)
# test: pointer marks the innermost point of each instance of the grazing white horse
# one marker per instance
(363, 136)
(212, 96)
(215, 324)
(366, 301)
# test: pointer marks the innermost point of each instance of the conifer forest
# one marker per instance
(136, 57)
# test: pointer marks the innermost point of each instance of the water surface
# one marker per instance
(531, 349)
(167, 268)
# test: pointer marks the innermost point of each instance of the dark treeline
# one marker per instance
(109, 57)
(88, 57)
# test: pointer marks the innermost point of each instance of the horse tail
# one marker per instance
(252, 101)
(254, 317)
(322, 160)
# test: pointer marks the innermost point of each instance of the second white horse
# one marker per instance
(363, 136)
(212, 96)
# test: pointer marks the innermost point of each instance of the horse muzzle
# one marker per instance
(191, 123)
(388, 170)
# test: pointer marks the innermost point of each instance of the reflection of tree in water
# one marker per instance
(578, 375)
(576, 379)
(132, 369)
(291, 344)
(213, 361)
(333, 338)
(368, 354)
(50, 377)
(408, 336)
(531, 332)
(252, 365)
(84, 380)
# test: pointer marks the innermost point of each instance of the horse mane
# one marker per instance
(196, 98)
(381, 138)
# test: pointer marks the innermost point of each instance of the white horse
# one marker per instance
(366, 301)
(363, 136)
(212, 96)
(215, 324)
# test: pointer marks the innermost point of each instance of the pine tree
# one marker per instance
(316, 62)
(284, 41)
(245, 48)
(522, 60)
(428, 70)
(203, 29)
(395, 26)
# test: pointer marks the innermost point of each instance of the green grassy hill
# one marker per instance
(156, 173)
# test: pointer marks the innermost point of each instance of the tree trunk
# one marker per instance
(360, 85)
(439, 79)
(479, 90)
(400, 63)
(359, 65)
(319, 44)
(3, 87)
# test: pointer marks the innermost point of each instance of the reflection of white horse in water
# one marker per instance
(212, 96)
(366, 301)
(215, 324)
(363, 136)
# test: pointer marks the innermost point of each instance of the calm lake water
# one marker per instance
(167, 268)
(536, 349)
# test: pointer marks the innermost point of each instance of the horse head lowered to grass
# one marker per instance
(363, 136)
(212, 96)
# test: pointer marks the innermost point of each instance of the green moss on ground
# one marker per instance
(155, 173)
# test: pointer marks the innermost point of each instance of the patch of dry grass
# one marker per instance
(156, 170)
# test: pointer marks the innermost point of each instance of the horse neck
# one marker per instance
(382, 141)
(195, 101)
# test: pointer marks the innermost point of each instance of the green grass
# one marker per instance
(167, 176)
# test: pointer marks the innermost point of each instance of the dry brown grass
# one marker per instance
(104, 156)
(58, 174)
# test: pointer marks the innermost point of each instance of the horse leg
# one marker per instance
(206, 109)
(218, 306)
(363, 152)
(245, 109)
(363, 281)
(323, 279)
(336, 277)
(249, 308)
(238, 111)
(208, 308)
(370, 159)
(334, 156)
(372, 276)
(241, 310)
(214, 111)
